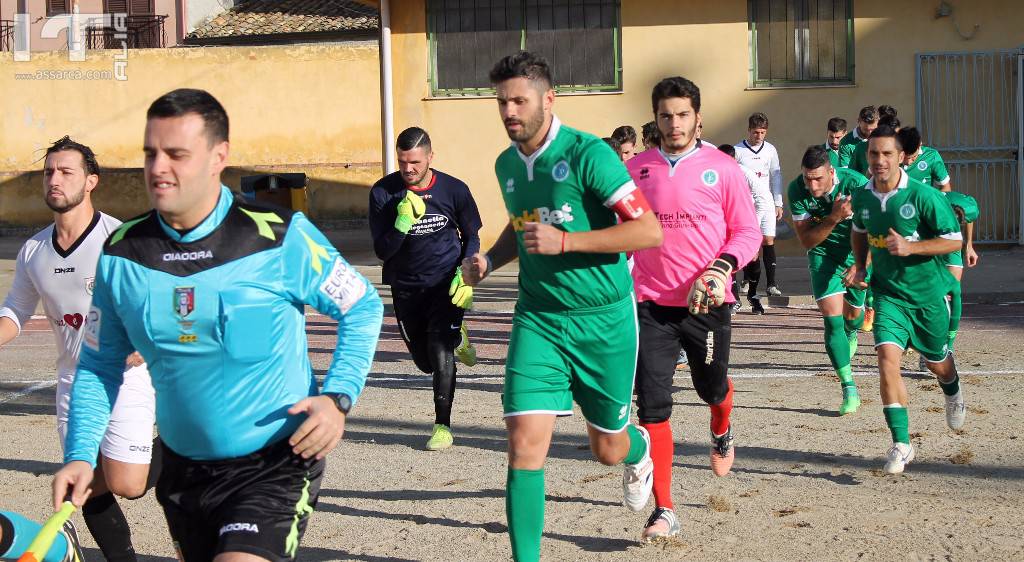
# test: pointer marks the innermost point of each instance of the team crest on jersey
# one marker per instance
(184, 301)
(510, 185)
(709, 177)
(560, 171)
(907, 211)
(90, 284)
(865, 214)
(922, 165)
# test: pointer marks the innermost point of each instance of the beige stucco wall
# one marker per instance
(706, 42)
(312, 109)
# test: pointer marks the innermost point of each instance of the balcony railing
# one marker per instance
(143, 32)
(6, 35)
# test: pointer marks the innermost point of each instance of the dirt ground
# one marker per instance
(806, 484)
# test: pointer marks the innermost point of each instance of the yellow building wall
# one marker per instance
(708, 43)
(303, 108)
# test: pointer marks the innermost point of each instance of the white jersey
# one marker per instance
(763, 160)
(63, 280)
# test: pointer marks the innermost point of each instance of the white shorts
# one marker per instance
(765, 207)
(129, 436)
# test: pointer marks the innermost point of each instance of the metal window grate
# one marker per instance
(580, 39)
(797, 42)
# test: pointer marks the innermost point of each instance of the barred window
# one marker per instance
(800, 42)
(579, 38)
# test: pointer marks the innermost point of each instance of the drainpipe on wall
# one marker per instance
(182, 21)
(387, 101)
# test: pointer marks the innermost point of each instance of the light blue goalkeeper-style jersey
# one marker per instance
(219, 315)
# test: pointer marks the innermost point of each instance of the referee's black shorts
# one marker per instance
(258, 504)
(663, 331)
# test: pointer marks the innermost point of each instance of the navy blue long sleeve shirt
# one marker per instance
(434, 246)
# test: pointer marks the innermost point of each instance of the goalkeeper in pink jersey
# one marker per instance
(683, 287)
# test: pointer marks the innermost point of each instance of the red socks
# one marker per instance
(662, 448)
(720, 413)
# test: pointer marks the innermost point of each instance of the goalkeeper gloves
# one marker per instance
(460, 292)
(410, 210)
(708, 290)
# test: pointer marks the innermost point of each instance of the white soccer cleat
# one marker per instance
(638, 479)
(956, 410)
(897, 457)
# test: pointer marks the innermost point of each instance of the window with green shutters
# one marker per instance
(800, 42)
(579, 38)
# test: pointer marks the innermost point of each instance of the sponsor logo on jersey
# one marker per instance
(922, 165)
(908, 211)
(429, 224)
(74, 320)
(188, 338)
(239, 527)
(877, 241)
(865, 214)
(510, 185)
(59, 270)
(140, 448)
(542, 215)
(343, 286)
(91, 334)
(644, 173)
(184, 301)
(709, 177)
(188, 256)
(623, 411)
(90, 284)
(560, 171)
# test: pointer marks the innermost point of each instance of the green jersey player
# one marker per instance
(907, 226)
(573, 210)
(923, 163)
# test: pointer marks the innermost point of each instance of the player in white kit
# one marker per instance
(760, 157)
(58, 266)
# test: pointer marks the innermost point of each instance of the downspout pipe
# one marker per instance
(387, 99)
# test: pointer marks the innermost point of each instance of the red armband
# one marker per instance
(631, 206)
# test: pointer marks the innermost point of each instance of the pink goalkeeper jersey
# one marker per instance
(705, 209)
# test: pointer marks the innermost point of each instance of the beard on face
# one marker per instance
(672, 145)
(530, 127)
(70, 202)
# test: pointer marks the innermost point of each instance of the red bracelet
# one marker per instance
(563, 242)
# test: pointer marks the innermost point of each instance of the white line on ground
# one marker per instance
(27, 391)
(814, 373)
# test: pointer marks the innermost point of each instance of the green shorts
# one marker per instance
(584, 355)
(827, 279)
(925, 329)
(955, 259)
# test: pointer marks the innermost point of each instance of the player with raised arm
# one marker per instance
(573, 210)
(212, 290)
(821, 205)
(683, 286)
(58, 266)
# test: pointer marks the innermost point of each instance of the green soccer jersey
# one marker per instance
(846, 146)
(965, 202)
(568, 183)
(805, 206)
(928, 168)
(859, 159)
(833, 155)
(916, 212)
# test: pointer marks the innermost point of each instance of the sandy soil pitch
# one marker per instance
(806, 483)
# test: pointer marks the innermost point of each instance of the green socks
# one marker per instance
(952, 387)
(524, 507)
(853, 325)
(898, 420)
(637, 445)
(956, 305)
(837, 344)
(950, 340)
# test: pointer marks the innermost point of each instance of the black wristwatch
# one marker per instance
(342, 401)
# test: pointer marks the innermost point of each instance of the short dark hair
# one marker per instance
(889, 121)
(614, 143)
(757, 120)
(88, 157)
(910, 139)
(815, 157)
(836, 124)
(650, 133)
(884, 131)
(624, 134)
(523, 64)
(728, 149)
(868, 114)
(675, 87)
(183, 101)
(413, 137)
(884, 110)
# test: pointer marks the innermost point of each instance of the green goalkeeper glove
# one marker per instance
(460, 292)
(410, 211)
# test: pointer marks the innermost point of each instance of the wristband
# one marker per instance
(563, 242)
